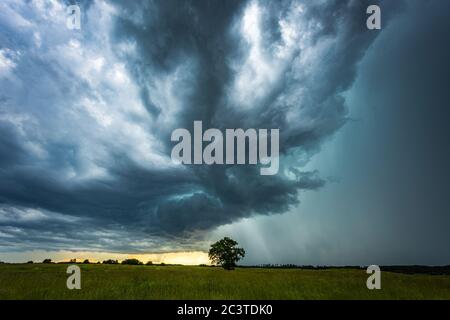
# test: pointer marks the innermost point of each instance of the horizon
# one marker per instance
(183, 258)
(357, 119)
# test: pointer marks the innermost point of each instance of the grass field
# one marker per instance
(39, 281)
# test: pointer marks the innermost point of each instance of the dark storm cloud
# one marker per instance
(169, 34)
(76, 141)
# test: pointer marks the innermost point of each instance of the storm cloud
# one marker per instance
(86, 115)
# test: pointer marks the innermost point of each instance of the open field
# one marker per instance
(48, 281)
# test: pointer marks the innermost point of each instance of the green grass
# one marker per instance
(39, 281)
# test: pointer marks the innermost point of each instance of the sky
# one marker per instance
(86, 118)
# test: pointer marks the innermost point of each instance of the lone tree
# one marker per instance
(226, 253)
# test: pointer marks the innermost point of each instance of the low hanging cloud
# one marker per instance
(86, 115)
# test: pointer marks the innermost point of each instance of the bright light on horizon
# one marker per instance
(186, 258)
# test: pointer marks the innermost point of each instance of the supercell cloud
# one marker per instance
(86, 115)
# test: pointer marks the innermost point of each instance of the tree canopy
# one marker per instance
(226, 253)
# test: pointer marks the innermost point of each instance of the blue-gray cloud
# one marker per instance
(86, 116)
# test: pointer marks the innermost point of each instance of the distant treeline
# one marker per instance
(109, 261)
(411, 269)
(408, 269)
